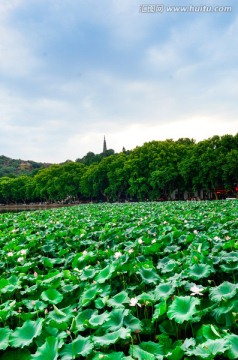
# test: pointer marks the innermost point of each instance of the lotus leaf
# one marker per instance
(148, 275)
(119, 300)
(52, 296)
(232, 352)
(111, 338)
(48, 351)
(24, 335)
(199, 271)
(4, 337)
(115, 320)
(80, 346)
(163, 290)
(133, 323)
(183, 308)
(224, 291)
(105, 274)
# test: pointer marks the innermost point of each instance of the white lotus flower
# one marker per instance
(140, 241)
(196, 290)
(134, 302)
(10, 253)
(20, 259)
(117, 254)
(23, 252)
(130, 251)
(85, 252)
(153, 241)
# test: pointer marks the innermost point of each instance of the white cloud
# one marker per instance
(153, 77)
(16, 56)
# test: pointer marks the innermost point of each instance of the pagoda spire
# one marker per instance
(104, 145)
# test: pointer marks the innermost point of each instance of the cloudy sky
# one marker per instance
(72, 71)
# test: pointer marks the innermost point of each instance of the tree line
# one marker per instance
(149, 172)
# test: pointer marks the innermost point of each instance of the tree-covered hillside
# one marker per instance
(15, 167)
(158, 170)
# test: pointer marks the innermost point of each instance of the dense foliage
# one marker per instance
(149, 172)
(16, 167)
(120, 282)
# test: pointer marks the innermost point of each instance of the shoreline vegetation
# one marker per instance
(45, 206)
(156, 171)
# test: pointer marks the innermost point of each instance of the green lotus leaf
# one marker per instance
(111, 356)
(230, 267)
(199, 271)
(105, 274)
(3, 283)
(148, 275)
(138, 353)
(4, 315)
(119, 299)
(167, 265)
(163, 291)
(61, 316)
(111, 338)
(210, 348)
(225, 313)
(230, 257)
(183, 308)
(47, 262)
(97, 320)
(80, 346)
(50, 247)
(209, 332)
(172, 249)
(224, 291)
(200, 352)
(24, 335)
(115, 320)
(34, 304)
(146, 298)
(51, 277)
(69, 288)
(48, 351)
(82, 319)
(100, 303)
(4, 337)
(87, 274)
(10, 287)
(168, 327)
(154, 248)
(89, 294)
(29, 290)
(153, 348)
(232, 353)
(52, 296)
(133, 323)
(160, 309)
(176, 352)
(188, 343)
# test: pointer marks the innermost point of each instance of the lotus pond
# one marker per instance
(120, 282)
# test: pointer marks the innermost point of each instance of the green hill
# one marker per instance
(16, 167)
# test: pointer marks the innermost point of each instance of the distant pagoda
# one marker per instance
(104, 145)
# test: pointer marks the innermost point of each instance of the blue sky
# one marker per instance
(72, 71)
